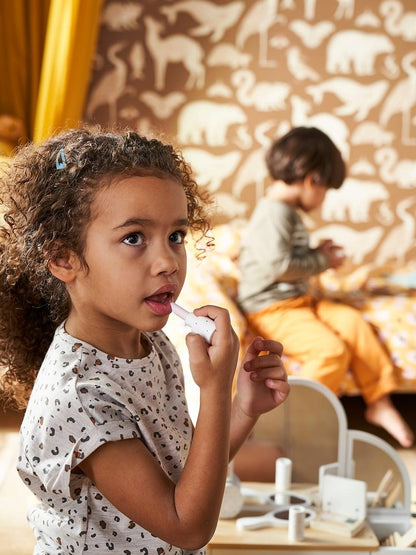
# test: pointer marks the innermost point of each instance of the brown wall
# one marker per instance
(222, 79)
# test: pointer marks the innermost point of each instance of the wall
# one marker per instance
(222, 79)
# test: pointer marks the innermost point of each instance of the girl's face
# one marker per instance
(135, 251)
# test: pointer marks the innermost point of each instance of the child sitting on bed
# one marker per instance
(276, 262)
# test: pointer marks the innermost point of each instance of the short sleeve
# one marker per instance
(88, 414)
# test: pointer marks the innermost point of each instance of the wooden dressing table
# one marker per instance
(227, 540)
(311, 426)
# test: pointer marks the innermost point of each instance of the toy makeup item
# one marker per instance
(255, 500)
(275, 519)
(296, 526)
(283, 477)
(199, 324)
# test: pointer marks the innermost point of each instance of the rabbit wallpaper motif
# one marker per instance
(223, 79)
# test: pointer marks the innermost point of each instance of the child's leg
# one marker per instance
(383, 413)
(323, 355)
(372, 368)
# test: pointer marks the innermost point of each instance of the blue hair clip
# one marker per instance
(60, 160)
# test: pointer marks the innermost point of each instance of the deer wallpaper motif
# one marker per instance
(222, 79)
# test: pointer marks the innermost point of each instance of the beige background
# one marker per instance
(222, 79)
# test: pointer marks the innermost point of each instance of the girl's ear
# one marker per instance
(64, 267)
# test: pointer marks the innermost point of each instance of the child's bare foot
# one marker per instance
(384, 414)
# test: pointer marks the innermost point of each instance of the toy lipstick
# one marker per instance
(199, 324)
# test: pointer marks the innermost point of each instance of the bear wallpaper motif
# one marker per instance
(222, 79)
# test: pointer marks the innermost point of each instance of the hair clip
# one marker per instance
(60, 160)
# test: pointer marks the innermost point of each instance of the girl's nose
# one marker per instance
(165, 261)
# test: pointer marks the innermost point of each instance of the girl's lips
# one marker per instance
(159, 303)
(167, 289)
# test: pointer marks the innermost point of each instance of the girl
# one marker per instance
(94, 243)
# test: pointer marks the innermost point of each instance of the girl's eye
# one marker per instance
(177, 237)
(134, 239)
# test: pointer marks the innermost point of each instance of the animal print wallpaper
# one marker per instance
(221, 79)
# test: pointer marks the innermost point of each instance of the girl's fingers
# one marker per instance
(218, 314)
(264, 375)
(268, 345)
(279, 385)
(281, 392)
(263, 362)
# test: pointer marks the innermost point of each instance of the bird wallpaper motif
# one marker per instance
(222, 79)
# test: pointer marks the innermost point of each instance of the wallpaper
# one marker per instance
(222, 79)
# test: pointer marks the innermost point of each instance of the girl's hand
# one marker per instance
(214, 363)
(262, 381)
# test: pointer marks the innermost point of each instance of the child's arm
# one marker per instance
(184, 514)
(261, 386)
(332, 252)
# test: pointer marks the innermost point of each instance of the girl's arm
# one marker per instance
(261, 386)
(184, 514)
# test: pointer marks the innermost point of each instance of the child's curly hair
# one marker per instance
(46, 213)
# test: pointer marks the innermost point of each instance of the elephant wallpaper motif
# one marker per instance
(222, 79)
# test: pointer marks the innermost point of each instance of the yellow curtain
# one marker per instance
(69, 49)
(22, 36)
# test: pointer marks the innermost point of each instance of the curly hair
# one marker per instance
(304, 150)
(46, 212)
